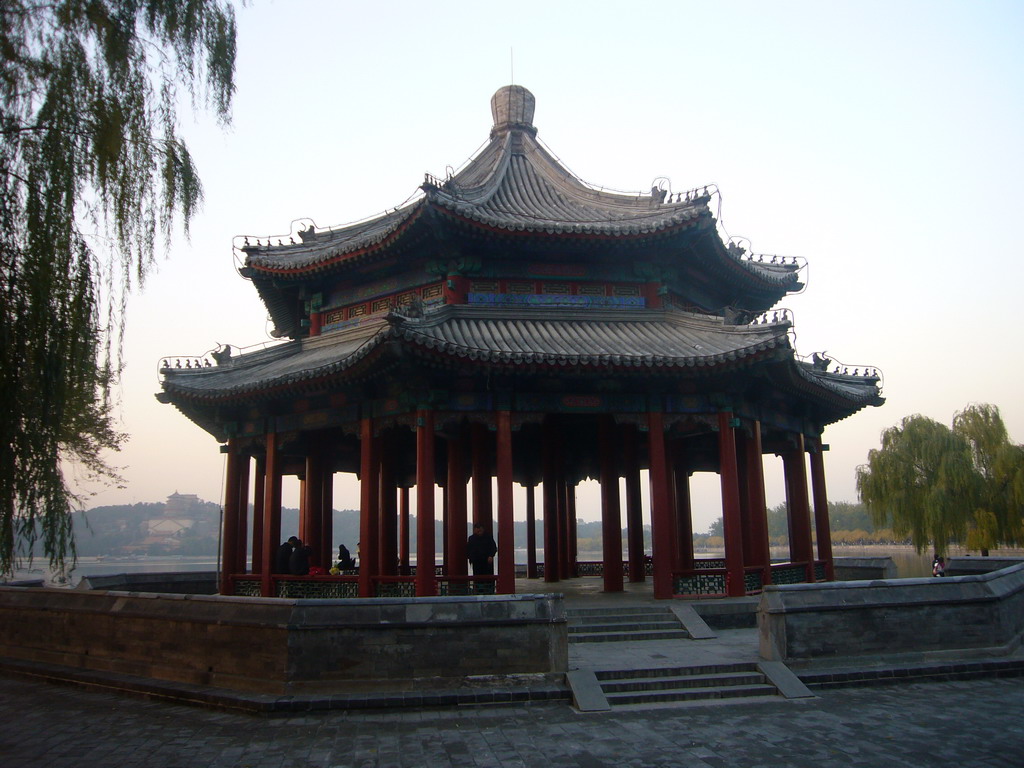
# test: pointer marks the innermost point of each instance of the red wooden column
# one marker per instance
(551, 505)
(457, 511)
(566, 565)
(571, 539)
(403, 531)
(271, 515)
(800, 548)
(243, 514)
(611, 511)
(303, 532)
(661, 506)
(445, 554)
(313, 504)
(634, 507)
(531, 532)
(426, 581)
(728, 469)
(258, 495)
(229, 534)
(369, 507)
(821, 522)
(506, 528)
(483, 512)
(327, 548)
(388, 536)
(755, 538)
(683, 522)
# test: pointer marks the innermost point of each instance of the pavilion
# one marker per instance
(513, 324)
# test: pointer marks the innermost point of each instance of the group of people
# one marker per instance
(293, 557)
(939, 566)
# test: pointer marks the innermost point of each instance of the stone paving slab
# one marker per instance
(975, 723)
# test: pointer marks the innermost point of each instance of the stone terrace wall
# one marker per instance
(178, 582)
(964, 566)
(893, 616)
(285, 646)
(864, 568)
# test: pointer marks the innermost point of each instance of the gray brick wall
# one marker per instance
(892, 616)
(282, 646)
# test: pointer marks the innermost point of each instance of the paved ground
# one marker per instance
(975, 723)
(971, 723)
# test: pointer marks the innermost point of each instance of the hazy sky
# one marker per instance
(879, 140)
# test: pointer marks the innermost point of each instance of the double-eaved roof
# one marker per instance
(517, 194)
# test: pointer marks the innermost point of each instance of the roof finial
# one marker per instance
(512, 107)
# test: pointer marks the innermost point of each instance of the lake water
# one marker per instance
(909, 564)
(93, 566)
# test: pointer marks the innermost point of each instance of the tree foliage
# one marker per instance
(938, 484)
(999, 510)
(92, 178)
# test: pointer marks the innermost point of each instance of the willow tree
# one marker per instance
(938, 484)
(998, 516)
(93, 177)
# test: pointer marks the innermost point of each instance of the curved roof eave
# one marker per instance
(296, 364)
(841, 395)
(616, 341)
(322, 251)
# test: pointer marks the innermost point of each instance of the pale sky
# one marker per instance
(879, 140)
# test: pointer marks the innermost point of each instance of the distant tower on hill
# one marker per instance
(180, 505)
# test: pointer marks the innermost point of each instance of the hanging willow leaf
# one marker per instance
(92, 179)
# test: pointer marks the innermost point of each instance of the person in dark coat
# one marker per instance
(480, 551)
(283, 561)
(298, 564)
(345, 561)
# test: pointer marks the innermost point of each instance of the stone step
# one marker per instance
(691, 694)
(623, 611)
(623, 626)
(707, 669)
(664, 683)
(616, 625)
(619, 637)
(604, 618)
(702, 669)
(661, 685)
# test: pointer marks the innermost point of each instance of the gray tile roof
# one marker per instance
(515, 184)
(620, 339)
(863, 389)
(615, 340)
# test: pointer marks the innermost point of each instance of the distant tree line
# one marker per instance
(849, 523)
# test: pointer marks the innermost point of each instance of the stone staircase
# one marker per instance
(684, 684)
(626, 624)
